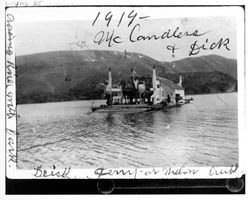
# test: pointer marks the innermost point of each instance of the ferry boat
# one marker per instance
(161, 95)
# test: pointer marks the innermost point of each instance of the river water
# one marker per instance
(202, 133)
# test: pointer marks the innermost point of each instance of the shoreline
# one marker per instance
(78, 100)
(211, 93)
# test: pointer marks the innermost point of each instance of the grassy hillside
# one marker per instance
(208, 63)
(69, 75)
(205, 82)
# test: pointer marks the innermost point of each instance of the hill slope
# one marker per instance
(208, 63)
(69, 75)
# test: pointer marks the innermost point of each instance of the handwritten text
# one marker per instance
(11, 146)
(46, 173)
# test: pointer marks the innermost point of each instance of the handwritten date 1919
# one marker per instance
(131, 16)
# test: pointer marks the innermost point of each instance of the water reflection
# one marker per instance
(110, 120)
(198, 134)
(139, 120)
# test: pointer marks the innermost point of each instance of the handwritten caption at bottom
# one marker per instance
(168, 172)
(134, 173)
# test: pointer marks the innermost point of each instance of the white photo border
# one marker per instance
(181, 172)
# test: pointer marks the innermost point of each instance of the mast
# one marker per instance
(110, 85)
(110, 80)
(180, 81)
(154, 85)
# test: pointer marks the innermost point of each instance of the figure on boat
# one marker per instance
(136, 90)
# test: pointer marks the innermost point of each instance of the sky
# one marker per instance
(53, 29)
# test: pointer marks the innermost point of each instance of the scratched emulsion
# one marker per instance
(204, 133)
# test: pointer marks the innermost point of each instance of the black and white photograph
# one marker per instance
(125, 87)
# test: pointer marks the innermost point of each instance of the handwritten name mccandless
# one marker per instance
(112, 38)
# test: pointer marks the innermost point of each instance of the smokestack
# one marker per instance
(180, 81)
(154, 78)
(110, 81)
(154, 84)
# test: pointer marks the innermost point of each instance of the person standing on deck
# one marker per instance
(168, 100)
(177, 100)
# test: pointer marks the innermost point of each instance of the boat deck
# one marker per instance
(133, 108)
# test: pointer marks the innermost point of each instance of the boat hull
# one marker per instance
(127, 108)
(135, 108)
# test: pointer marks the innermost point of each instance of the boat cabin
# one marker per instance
(166, 90)
(171, 92)
(116, 92)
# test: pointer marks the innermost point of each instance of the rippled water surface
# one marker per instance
(202, 133)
